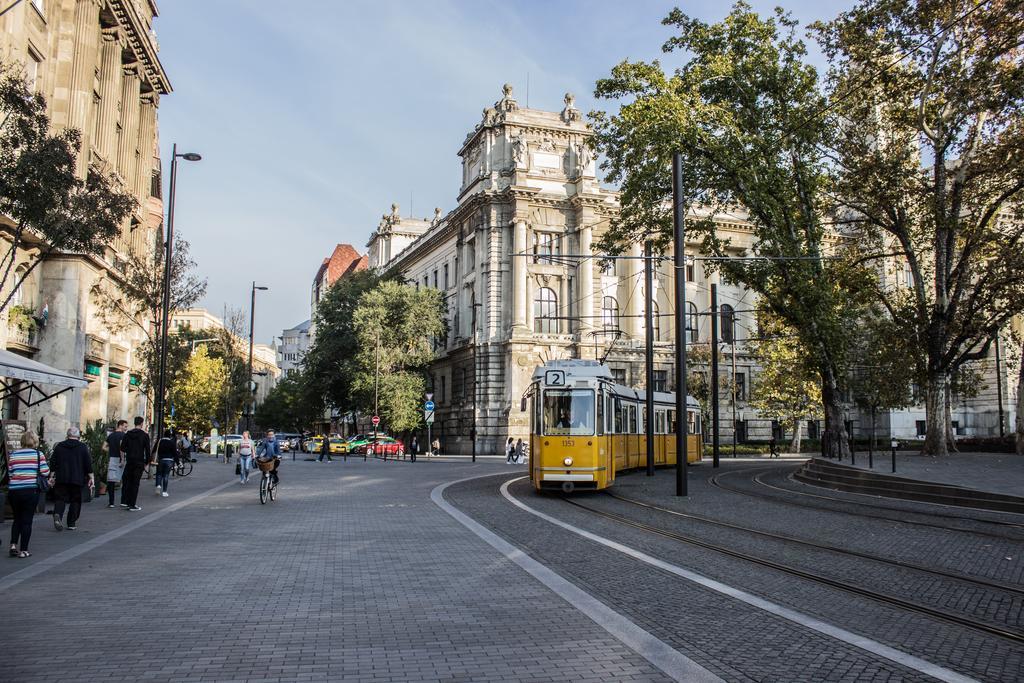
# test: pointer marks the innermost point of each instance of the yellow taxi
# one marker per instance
(338, 446)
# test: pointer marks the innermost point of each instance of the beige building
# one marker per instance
(96, 63)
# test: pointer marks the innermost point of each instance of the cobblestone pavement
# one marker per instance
(353, 574)
(993, 472)
(731, 633)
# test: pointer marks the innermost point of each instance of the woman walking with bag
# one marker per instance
(245, 451)
(166, 453)
(28, 473)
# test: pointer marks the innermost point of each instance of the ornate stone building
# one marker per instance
(96, 63)
(514, 259)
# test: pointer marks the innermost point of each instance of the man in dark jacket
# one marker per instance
(70, 468)
(136, 448)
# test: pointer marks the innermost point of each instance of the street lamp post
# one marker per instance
(168, 253)
(252, 384)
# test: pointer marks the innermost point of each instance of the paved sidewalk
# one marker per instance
(992, 472)
(353, 574)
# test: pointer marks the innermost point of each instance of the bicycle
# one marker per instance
(268, 482)
(182, 467)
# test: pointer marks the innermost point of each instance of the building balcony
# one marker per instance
(95, 349)
(118, 357)
(22, 339)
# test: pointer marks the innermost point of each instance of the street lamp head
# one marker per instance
(261, 288)
(190, 156)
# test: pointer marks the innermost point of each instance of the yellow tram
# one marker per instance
(585, 429)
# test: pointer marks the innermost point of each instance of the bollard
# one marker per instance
(895, 444)
(871, 458)
(853, 451)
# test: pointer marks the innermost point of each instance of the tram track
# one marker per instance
(716, 482)
(985, 583)
(882, 598)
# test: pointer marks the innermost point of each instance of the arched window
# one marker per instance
(728, 330)
(656, 321)
(18, 298)
(691, 321)
(545, 305)
(610, 314)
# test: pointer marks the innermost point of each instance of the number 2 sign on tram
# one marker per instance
(554, 378)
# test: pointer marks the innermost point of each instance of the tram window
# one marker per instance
(600, 414)
(610, 415)
(569, 412)
(691, 422)
(620, 422)
(659, 421)
(632, 420)
(672, 424)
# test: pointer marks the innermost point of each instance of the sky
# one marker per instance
(314, 117)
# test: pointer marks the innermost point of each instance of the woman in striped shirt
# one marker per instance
(23, 465)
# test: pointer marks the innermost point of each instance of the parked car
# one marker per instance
(386, 446)
(313, 444)
(339, 446)
(357, 443)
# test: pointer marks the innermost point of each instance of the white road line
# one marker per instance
(675, 665)
(872, 646)
(60, 558)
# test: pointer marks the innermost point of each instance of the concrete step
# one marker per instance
(819, 472)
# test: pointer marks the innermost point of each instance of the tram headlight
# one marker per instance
(568, 462)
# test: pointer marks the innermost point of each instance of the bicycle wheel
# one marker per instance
(264, 489)
(272, 489)
(184, 468)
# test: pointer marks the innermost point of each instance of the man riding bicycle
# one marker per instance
(270, 449)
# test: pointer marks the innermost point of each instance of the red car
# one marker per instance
(384, 446)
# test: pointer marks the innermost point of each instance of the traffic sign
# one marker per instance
(428, 416)
(430, 396)
(429, 405)
(375, 420)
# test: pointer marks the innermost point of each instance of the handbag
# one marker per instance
(42, 483)
(238, 468)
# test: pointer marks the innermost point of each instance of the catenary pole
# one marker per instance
(165, 321)
(678, 217)
(649, 354)
(715, 444)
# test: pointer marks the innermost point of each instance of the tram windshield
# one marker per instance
(569, 412)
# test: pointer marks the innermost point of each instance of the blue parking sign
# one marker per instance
(429, 405)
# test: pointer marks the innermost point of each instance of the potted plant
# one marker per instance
(94, 437)
(21, 317)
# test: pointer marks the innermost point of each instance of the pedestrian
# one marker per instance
(435, 446)
(166, 453)
(136, 449)
(245, 452)
(271, 450)
(519, 453)
(71, 470)
(24, 466)
(510, 451)
(325, 450)
(115, 460)
(773, 450)
(414, 448)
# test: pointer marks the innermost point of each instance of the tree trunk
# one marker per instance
(835, 442)
(935, 442)
(872, 444)
(794, 443)
(1019, 420)
(950, 432)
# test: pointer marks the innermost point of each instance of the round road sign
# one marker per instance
(375, 420)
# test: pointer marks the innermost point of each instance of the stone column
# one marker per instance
(519, 263)
(110, 93)
(87, 35)
(632, 306)
(564, 308)
(130, 86)
(585, 280)
(145, 145)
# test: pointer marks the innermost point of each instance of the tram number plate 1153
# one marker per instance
(568, 442)
(554, 378)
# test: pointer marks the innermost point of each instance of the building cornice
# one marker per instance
(141, 43)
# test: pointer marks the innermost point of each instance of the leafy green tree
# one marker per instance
(886, 366)
(40, 192)
(330, 363)
(396, 326)
(788, 387)
(929, 151)
(288, 406)
(742, 111)
(698, 379)
(197, 392)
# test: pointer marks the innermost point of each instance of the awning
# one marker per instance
(33, 374)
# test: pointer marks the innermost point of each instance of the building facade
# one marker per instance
(342, 261)
(515, 262)
(96, 64)
(293, 347)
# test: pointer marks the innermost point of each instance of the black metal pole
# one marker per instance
(999, 387)
(714, 376)
(251, 384)
(649, 354)
(678, 217)
(165, 321)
